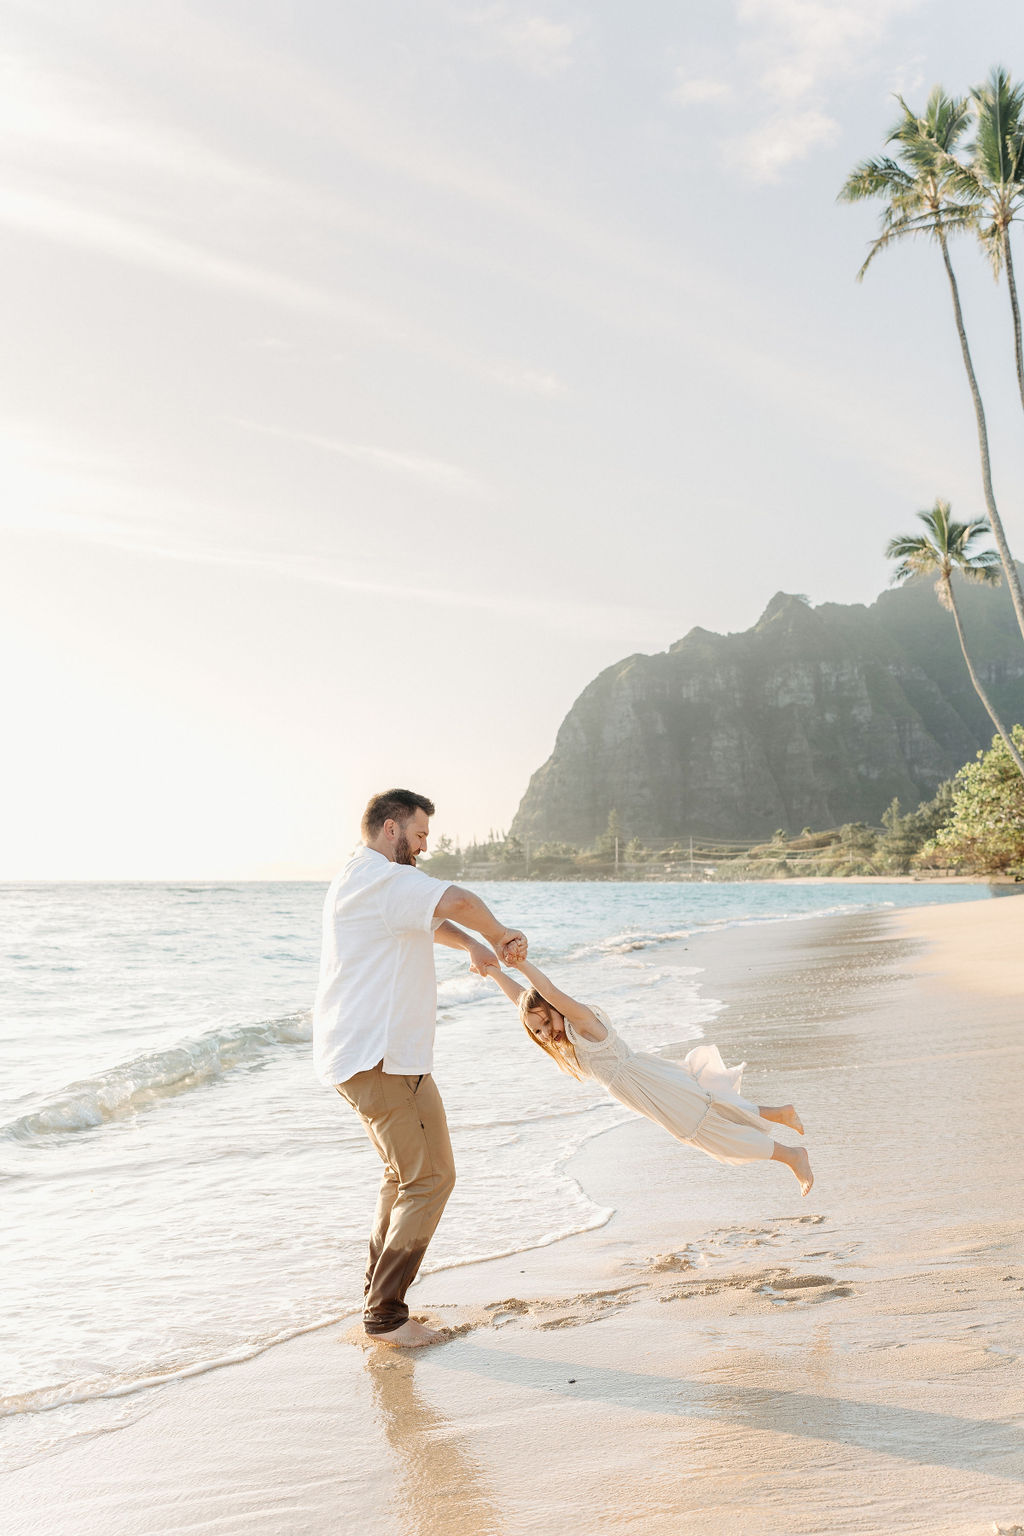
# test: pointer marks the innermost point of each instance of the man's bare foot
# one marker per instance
(410, 1335)
(801, 1166)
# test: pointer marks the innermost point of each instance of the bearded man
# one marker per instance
(373, 1034)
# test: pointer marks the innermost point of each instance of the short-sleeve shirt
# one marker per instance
(377, 998)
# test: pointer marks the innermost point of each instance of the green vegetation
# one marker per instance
(984, 830)
(894, 848)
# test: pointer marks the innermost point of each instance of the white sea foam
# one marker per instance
(137, 1084)
(459, 990)
(624, 944)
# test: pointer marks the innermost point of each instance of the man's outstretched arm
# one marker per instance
(480, 956)
(460, 906)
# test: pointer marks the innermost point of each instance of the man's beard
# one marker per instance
(403, 853)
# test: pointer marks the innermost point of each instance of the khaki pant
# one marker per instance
(404, 1118)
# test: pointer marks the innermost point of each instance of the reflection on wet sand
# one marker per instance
(441, 1491)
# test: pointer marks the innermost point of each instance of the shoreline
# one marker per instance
(653, 1323)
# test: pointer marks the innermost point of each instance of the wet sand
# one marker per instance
(722, 1357)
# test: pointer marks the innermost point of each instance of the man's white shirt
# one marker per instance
(377, 997)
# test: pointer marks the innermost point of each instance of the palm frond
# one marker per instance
(990, 238)
(989, 575)
(939, 130)
(881, 177)
(997, 146)
(978, 528)
(915, 552)
(962, 182)
(932, 225)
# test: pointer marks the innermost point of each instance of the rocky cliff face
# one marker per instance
(815, 717)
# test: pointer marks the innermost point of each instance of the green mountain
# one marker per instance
(815, 717)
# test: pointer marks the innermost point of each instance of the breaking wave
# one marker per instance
(143, 1081)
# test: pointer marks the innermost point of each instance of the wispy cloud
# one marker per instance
(436, 472)
(81, 167)
(62, 220)
(50, 110)
(47, 493)
(532, 381)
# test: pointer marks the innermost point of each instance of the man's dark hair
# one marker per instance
(393, 805)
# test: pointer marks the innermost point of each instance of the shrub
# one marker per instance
(985, 830)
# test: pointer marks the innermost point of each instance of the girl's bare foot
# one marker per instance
(796, 1159)
(801, 1166)
(791, 1118)
(411, 1335)
(782, 1114)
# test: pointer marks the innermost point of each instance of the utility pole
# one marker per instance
(616, 856)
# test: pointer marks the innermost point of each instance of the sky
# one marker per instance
(374, 376)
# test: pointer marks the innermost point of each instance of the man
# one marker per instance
(373, 1034)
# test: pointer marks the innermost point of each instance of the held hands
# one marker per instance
(509, 949)
(511, 946)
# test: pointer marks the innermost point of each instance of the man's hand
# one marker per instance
(481, 959)
(511, 946)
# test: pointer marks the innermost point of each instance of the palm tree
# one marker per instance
(993, 178)
(947, 547)
(925, 192)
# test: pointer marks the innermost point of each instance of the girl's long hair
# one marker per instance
(560, 1051)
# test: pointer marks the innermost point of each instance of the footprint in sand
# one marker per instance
(575, 1311)
(503, 1312)
(823, 1287)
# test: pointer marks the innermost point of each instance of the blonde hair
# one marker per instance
(560, 1051)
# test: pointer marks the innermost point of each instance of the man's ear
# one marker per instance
(389, 828)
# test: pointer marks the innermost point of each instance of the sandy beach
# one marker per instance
(721, 1357)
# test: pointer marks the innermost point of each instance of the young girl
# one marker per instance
(698, 1102)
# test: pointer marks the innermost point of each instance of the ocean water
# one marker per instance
(179, 1191)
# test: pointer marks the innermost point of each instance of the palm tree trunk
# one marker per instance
(1014, 305)
(1011, 745)
(1008, 562)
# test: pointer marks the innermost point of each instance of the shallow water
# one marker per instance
(179, 1188)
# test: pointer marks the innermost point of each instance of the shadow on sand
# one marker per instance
(916, 1435)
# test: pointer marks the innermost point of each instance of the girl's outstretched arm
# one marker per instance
(511, 988)
(583, 1019)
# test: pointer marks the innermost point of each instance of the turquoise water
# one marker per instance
(179, 1188)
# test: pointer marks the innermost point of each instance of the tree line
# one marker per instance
(973, 823)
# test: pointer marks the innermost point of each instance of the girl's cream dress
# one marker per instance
(697, 1100)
